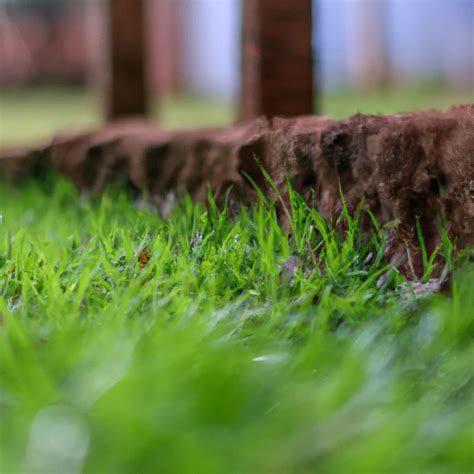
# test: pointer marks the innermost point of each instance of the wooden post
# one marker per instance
(277, 58)
(126, 91)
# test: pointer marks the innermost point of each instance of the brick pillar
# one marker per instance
(126, 91)
(277, 58)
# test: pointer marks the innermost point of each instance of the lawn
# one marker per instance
(218, 343)
(36, 114)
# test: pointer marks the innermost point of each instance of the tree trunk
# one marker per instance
(277, 58)
(126, 91)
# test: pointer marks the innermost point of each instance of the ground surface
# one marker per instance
(211, 343)
(37, 114)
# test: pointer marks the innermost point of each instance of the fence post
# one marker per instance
(277, 58)
(126, 91)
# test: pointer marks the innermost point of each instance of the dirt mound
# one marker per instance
(403, 167)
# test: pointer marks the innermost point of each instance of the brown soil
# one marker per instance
(402, 167)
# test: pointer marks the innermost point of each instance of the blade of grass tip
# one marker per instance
(227, 199)
(374, 220)
(377, 237)
(431, 260)
(293, 198)
(325, 233)
(421, 240)
(446, 242)
(280, 198)
(214, 212)
(224, 221)
(356, 221)
(262, 197)
(287, 212)
(345, 211)
(299, 209)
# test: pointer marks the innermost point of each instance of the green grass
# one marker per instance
(29, 115)
(237, 348)
(423, 96)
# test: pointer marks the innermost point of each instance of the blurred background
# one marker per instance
(372, 56)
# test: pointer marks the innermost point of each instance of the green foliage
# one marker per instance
(211, 343)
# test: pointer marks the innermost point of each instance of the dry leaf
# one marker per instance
(143, 257)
